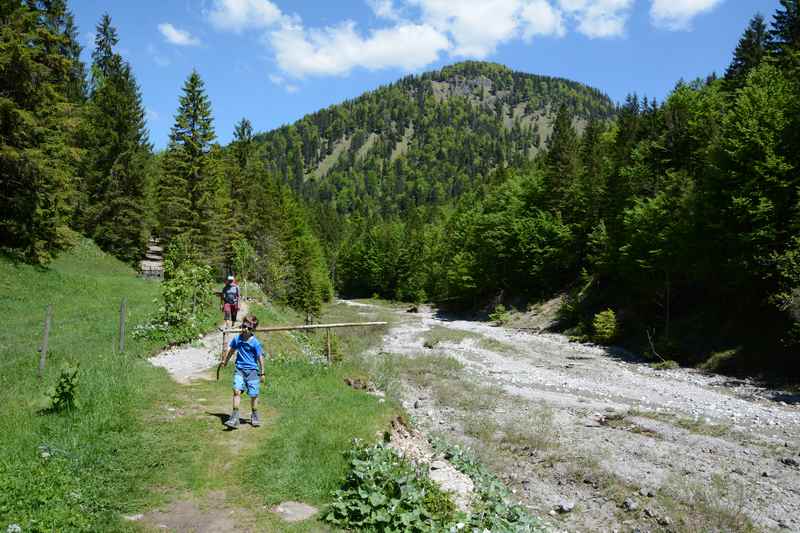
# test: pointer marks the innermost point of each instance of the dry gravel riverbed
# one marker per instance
(594, 440)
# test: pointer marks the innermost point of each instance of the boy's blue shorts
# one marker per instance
(247, 380)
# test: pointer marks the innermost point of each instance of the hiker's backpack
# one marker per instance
(230, 294)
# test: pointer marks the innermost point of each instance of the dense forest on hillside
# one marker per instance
(470, 186)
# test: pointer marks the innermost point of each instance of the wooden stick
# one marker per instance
(328, 343)
(47, 319)
(312, 326)
(122, 313)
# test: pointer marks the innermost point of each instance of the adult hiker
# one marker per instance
(249, 371)
(230, 301)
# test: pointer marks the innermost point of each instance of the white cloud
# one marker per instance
(337, 50)
(152, 114)
(678, 14)
(540, 18)
(175, 36)
(599, 18)
(384, 9)
(418, 32)
(238, 15)
(476, 26)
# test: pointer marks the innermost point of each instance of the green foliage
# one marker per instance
(63, 395)
(493, 508)
(384, 492)
(193, 195)
(604, 327)
(499, 315)
(186, 293)
(117, 154)
(37, 119)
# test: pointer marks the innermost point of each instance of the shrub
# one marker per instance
(384, 492)
(605, 327)
(500, 315)
(62, 396)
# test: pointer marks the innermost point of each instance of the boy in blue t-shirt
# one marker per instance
(249, 371)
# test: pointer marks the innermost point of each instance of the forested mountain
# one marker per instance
(426, 139)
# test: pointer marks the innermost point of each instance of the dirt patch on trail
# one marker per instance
(593, 440)
(206, 515)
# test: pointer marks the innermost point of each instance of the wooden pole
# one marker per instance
(328, 343)
(313, 326)
(48, 317)
(122, 313)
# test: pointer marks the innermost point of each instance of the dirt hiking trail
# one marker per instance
(214, 511)
(595, 441)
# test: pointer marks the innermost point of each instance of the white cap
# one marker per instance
(230, 277)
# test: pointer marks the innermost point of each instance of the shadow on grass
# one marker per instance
(223, 417)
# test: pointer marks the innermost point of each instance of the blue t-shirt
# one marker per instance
(247, 352)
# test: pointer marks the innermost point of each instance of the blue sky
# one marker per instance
(274, 61)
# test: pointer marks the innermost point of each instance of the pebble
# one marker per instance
(565, 507)
(630, 504)
(789, 461)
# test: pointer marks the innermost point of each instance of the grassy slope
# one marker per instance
(138, 440)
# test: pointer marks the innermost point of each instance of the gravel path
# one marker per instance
(192, 361)
(726, 445)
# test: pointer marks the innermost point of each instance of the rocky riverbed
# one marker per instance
(595, 439)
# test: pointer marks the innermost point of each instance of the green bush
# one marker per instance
(493, 507)
(62, 396)
(605, 327)
(500, 315)
(384, 492)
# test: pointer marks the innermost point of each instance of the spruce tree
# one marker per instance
(117, 152)
(36, 146)
(749, 52)
(562, 163)
(242, 147)
(191, 191)
(785, 33)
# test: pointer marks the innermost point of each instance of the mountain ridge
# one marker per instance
(456, 125)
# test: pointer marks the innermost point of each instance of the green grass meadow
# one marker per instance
(138, 441)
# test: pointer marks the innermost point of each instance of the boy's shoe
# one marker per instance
(254, 420)
(233, 420)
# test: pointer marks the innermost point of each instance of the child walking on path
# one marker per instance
(249, 372)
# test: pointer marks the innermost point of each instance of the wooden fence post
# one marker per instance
(48, 317)
(328, 343)
(122, 314)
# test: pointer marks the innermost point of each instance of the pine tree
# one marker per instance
(117, 153)
(242, 148)
(36, 146)
(562, 164)
(749, 52)
(191, 184)
(60, 21)
(785, 33)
